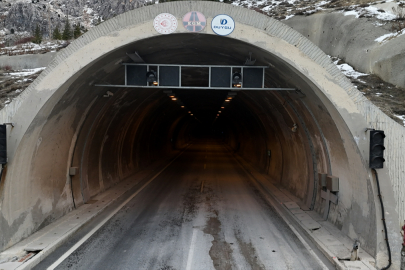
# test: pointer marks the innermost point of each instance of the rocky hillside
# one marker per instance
(19, 18)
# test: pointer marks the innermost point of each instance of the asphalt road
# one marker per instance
(171, 224)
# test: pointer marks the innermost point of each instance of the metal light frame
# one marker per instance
(209, 87)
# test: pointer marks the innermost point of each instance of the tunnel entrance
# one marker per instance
(132, 126)
(77, 139)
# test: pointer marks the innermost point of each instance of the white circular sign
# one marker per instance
(222, 25)
(165, 23)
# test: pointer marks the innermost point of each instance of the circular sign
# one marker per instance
(194, 21)
(165, 23)
(222, 25)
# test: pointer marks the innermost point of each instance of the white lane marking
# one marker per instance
(191, 250)
(89, 234)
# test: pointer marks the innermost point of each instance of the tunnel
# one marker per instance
(133, 126)
(84, 138)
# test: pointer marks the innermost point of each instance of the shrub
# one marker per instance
(7, 68)
(37, 35)
(24, 40)
(399, 23)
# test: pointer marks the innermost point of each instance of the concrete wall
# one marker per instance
(27, 61)
(353, 40)
(53, 115)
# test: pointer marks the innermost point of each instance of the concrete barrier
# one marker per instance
(27, 61)
(353, 40)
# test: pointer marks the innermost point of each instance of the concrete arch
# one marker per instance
(52, 119)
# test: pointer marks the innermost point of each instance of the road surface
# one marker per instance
(202, 212)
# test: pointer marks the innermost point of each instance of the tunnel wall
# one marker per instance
(33, 112)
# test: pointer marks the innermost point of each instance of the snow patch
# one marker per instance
(348, 70)
(402, 117)
(26, 72)
(389, 36)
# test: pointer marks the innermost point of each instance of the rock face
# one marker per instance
(21, 17)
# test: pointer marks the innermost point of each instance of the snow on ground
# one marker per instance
(32, 48)
(26, 72)
(389, 36)
(402, 117)
(372, 11)
(348, 70)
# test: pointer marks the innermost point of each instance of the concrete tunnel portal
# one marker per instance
(110, 137)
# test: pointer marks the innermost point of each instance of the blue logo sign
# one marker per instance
(222, 25)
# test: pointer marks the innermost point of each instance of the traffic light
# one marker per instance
(3, 144)
(377, 149)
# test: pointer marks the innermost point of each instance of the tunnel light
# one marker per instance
(237, 80)
(189, 111)
(191, 114)
(227, 100)
(182, 107)
(222, 107)
(151, 77)
(217, 115)
(174, 98)
(219, 111)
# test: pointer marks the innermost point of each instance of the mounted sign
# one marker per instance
(194, 21)
(222, 25)
(165, 23)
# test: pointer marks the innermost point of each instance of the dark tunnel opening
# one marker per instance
(125, 132)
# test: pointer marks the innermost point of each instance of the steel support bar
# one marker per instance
(178, 65)
(194, 88)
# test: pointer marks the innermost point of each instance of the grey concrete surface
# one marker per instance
(66, 122)
(27, 61)
(353, 40)
(171, 224)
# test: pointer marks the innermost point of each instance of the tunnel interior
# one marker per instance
(291, 136)
(124, 132)
(127, 131)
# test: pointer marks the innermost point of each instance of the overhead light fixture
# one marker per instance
(189, 111)
(173, 98)
(219, 111)
(151, 77)
(217, 114)
(222, 107)
(108, 94)
(237, 80)
(182, 106)
(191, 114)
(227, 100)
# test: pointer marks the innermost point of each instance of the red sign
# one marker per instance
(194, 21)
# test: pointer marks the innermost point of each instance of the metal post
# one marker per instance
(126, 75)
(209, 78)
(179, 76)
(264, 73)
